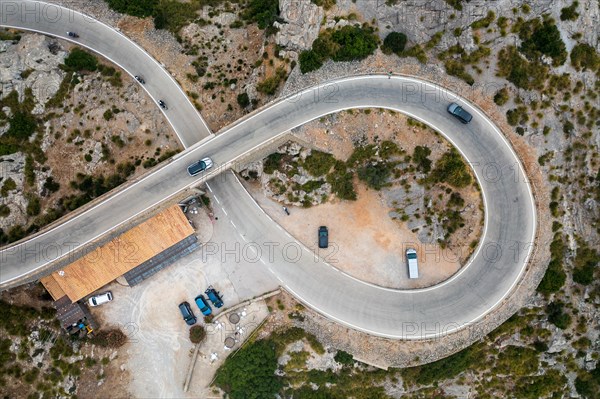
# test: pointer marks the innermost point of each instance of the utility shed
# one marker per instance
(155, 242)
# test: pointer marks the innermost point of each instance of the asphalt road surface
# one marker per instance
(493, 271)
(53, 20)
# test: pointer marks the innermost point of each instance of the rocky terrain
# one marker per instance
(541, 93)
(89, 123)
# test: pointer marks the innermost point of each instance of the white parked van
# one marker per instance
(413, 266)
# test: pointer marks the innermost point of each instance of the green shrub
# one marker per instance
(197, 334)
(451, 169)
(272, 163)
(51, 185)
(4, 210)
(172, 15)
(445, 368)
(502, 96)
(417, 52)
(519, 71)
(309, 61)
(33, 204)
(456, 4)
(517, 361)
(484, 22)
(8, 185)
(22, 125)
(344, 358)
(569, 13)
(517, 116)
(555, 276)
(341, 182)
(59, 97)
(584, 57)
(585, 263)
(420, 158)
(456, 68)
(243, 100)
(108, 115)
(318, 163)
(29, 170)
(550, 384)
(355, 43)
(557, 316)
(543, 39)
(137, 8)
(79, 60)
(250, 374)
(388, 149)
(263, 12)
(394, 42)
(326, 4)
(375, 175)
(269, 85)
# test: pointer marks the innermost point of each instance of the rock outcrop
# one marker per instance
(302, 24)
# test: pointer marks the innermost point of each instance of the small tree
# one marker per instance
(394, 42)
(309, 61)
(197, 334)
(243, 100)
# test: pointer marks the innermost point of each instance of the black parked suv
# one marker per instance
(323, 237)
(186, 312)
(459, 113)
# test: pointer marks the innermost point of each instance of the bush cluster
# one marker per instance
(543, 38)
(349, 43)
(451, 169)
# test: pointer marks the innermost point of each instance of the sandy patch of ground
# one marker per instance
(363, 240)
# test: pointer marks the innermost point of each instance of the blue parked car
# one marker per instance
(203, 305)
(186, 312)
(214, 296)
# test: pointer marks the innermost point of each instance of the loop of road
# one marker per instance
(492, 272)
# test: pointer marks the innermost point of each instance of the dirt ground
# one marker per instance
(363, 240)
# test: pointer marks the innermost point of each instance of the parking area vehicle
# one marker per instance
(323, 237)
(140, 79)
(186, 312)
(214, 297)
(413, 266)
(460, 114)
(203, 305)
(200, 166)
(100, 299)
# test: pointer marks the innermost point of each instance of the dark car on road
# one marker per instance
(203, 305)
(323, 237)
(186, 312)
(214, 296)
(200, 166)
(460, 114)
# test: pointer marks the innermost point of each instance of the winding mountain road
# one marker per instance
(494, 269)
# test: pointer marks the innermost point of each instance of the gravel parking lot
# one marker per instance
(159, 350)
